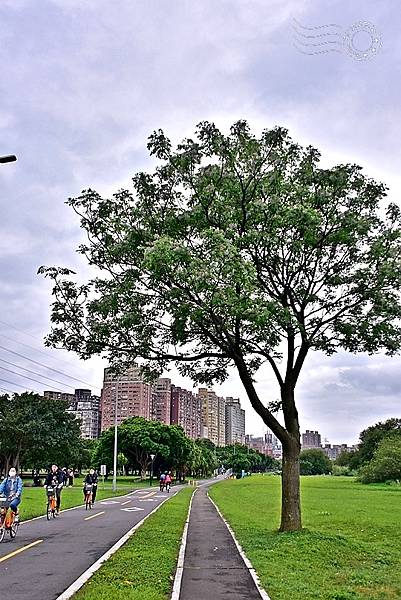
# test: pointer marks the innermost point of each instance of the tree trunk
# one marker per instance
(290, 490)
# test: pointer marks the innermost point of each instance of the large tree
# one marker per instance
(236, 251)
(35, 431)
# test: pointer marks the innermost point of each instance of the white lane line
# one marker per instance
(11, 554)
(124, 503)
(93, 516)
(74, 587)
(181, 555)
(248, 564)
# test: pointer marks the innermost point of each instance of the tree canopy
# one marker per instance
(315, 462)
(385, 464)
(236, 251)
(35, 431)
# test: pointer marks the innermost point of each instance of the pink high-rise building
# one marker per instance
(186, 411)
(128, 392)
(161, 400)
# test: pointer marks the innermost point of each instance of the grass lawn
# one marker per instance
(34, 498)
(144, 568)
(350, 548)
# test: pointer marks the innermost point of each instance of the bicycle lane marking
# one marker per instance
(63, 510)
(11, 554)
(93, 516)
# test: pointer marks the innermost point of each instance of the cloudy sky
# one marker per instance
(84, 82)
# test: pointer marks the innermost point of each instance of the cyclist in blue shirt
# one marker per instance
(11, 488)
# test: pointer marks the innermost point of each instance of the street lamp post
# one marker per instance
(8, 158)
(152, 456)
(115, 443)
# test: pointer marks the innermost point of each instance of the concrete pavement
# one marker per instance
(48, 556)
(213, 567)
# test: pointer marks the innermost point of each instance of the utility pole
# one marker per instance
(115, 442)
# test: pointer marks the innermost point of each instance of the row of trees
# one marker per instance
(35, 432)
(377, 459)
(139, 438)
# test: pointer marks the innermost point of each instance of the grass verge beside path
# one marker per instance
(143, 569)
(350, 548)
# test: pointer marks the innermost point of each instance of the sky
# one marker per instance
(84, 82)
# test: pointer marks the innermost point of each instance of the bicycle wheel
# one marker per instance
(14, 530)
(48, 510)
(87, 502)
(2, 533)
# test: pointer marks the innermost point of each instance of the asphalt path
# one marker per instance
(213, 567)
(46, 557)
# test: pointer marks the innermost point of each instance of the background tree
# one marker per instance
(315, 462)
(236, 251)
(203, 460)
(37, 432)
(103, 450)
(370, 438)
(386, 461)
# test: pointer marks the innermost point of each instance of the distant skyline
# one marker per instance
(83, 83)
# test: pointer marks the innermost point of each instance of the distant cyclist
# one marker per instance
(167, 482)
(91, 480)
(11, 488)
(55, 479)
(162, 481)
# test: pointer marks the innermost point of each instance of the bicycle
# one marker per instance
(88, 496)
(51, 502)
(7, 519)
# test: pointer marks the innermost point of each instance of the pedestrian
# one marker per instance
(65, 476)
(71, 477)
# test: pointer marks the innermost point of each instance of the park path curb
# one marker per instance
(76, 585)
(263, 594)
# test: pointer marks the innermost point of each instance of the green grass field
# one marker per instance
(144, 568)
(350, 548)
(34, 498)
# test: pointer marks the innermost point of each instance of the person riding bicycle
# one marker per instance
(167, 481)
(162, 481)
(55, 479)
(91, 479)
(11, 488)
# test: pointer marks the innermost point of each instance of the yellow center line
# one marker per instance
(124, 503)
(7, 556)
(93, 516)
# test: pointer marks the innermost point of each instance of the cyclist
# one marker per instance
(91, 479)
(162, 480)
(11, 488)
(167, 481)
(55, 479)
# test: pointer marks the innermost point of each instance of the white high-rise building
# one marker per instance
(234, 422)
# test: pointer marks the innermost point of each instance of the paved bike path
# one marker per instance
(69, 544)
(213, 567)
